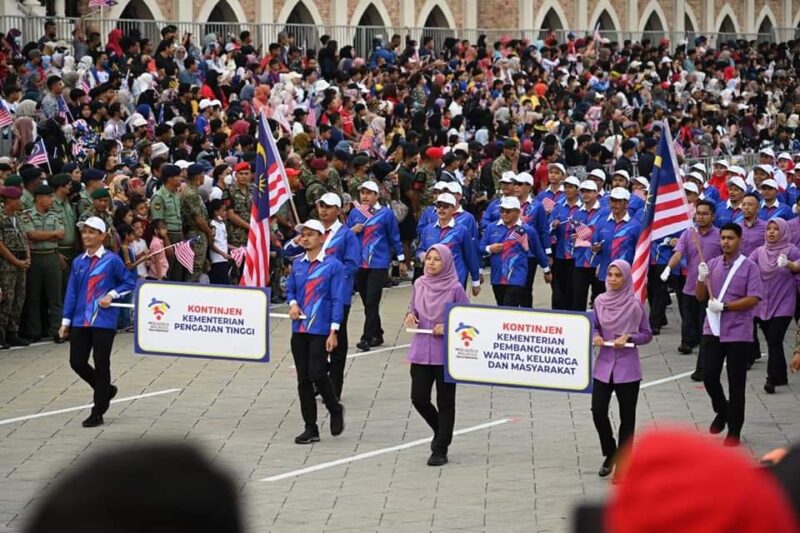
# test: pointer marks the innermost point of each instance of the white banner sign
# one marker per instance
(519, 348)
(220, 322)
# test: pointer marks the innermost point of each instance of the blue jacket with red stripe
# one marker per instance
(379, 236)
(618, 241)
(510, 267)
(584, 258)
(563, 213)
(464, 248)
(318, 288)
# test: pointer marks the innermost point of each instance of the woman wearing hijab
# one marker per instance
(113, 47)
(620, 319)
(431, 294)
(779, 262)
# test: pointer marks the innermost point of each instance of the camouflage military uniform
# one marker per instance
(84, 202)
(239, 200)
(111, 240)
(355, 183)
(314, 191)
(335, 181)
(428, 177)
(306, 175)
(12, 279)
(501, 164)
(191, 207)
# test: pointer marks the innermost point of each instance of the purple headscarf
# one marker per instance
(618, 310)
(432, 292)
(769, 253)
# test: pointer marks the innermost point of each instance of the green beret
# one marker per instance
(360, 161)
(14, 180)
(100, 193)
(43, 190)
(59, 180)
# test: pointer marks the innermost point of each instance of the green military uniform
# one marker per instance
(501, 164)
(355, 183)
(111, 239)
(12, 279)
(166, 206)
(84, 202)
(314, 191)
(27, 200)
(428, 176)
(334, 181)
(239, 200)
(44, 276)
(67, 245)
(192, 206)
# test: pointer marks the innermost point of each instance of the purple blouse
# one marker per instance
(780, 291)
(429, 349)
(621, 364)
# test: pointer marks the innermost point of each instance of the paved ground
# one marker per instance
(524, 473)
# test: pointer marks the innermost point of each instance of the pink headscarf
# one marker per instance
(431, 292)
(616, 309)
(769, 253)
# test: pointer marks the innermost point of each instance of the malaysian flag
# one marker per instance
(521, 237)
(77, 147)
(102, 3)
(583, 234)
(238, 254)
(6, 118)
(311, 118)
(63, 110)
(365, 210)
(84, 85)
(548, 204)
(367, 140)
(666, 211)
(270, 191)
(185, 254)
(38, 154)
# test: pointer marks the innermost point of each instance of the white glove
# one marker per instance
(665, 275)
(715, 305)
(702, 272)
(782, 261)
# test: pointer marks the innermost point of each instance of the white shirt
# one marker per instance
(140, 246)
(220, 241)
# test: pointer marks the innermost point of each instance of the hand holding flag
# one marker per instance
(184, 253)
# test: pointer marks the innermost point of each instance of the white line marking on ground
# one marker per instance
(31, 345)
(87, 406)
(381, 451)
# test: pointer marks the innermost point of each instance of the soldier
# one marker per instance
(31, 178)
(14, 180)
(239, 198)
(318, 185)
(93, 178)
(62, 184)
(44, 229)
(337, 170)
(360, 164)
(14, 261)
(195, 220)
(427, 176)
(166, 205)
(100, 200)
(507, 161)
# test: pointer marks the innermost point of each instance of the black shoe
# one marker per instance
(58, 340)
(731, 441)
(769, 387)
(3, 344)
(718, 424)
(363, 346)
(375, 342)
(697, 376)
(307, 437)
(337, 422)
(113, 392)
(16, 340)
(656, 330)
(277, 300)
(437, 459)
(93, 421)
(607, 467)
(685, 350)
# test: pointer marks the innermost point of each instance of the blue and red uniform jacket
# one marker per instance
(510, 267)
(564, 213)
(380, 235)
(584, 257)
(618, 241)
(464, 248)
(427, 218)
(466, 219)
(491, 215)
(534, 215)
(779, 210)
(318, 288)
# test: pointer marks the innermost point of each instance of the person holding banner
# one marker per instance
(619, 318)
(97, 278)
(731, 284)
(431, 294)
(316, 283)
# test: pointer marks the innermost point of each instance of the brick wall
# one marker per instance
(499, 14)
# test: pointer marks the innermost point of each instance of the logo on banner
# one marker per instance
(466, 334)
(159, 309)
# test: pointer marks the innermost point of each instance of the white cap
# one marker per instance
(509, 202)
(764, 168)
(736, 170)
(767, 151)
(722, 163)
(205, 103)
(311, 223)
(588, 185)
(94, 223)
(182, 164)
(623, 173)
(598, 173)
(462, 146)
(691, 187)
(699, 166)
(138, 122)
(557, 166)
(572, 180)
(523, 177)
(696, 175)
(216, 102)
(507, 177)
(618, 193)
(784, 155)
(159, 148)
(642, 181)
(771, 183)
(330, 198)
(446, 198)
(370, 186)
(736, 181)
(455, 188)
(440, 186)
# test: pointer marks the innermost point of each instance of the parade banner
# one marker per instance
(211, 321)
(515, 347)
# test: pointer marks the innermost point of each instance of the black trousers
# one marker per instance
(715, 354)
(442, 420)
(339, 356)
(627, 396)
(527, 295)
(677, 283)
(311, 364)
(508, 295)
(370, 286)
(563, 295)
(774, 331)
(175, 271)
(582, 280)
(755, 346)
(97, 342)
(657, 296)
(218, 275)
(694, 313)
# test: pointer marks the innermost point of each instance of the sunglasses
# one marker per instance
(444, 206)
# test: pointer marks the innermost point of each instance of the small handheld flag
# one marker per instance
(185, 254)
(38, 154)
